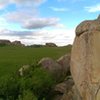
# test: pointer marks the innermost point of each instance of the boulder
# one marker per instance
(64, 86)
(61, 90)
(52, 66)
(64, 61)
(85, 59)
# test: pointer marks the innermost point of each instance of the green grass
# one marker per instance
(13, 57)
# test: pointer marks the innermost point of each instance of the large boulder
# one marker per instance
(52, 66)
(64, 61)
(85, 59)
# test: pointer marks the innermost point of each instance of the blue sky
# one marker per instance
(42, 21)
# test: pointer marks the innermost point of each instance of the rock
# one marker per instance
(85, 59)
(17, 43)
(61, 90)
(83, 27)
(88, 26)
(23, 70)
(52, 66)
(72, 94)
(64, 61)
(5, 42)
(64, 86)
(51, 45)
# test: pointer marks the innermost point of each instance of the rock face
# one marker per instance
(85, 59)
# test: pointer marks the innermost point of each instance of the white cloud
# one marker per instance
(29, 19)
(93, 9)
(36, 23)
(58, 9)
(59, 25)
(4, 3)
(6, 32)
(58, 36)
(20, 15)
(27, 2)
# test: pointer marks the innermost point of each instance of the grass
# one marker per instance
(13, 57)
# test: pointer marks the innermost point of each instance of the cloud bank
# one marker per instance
(4, 3)
(59, 36)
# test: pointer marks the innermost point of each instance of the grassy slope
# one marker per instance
(12, 58)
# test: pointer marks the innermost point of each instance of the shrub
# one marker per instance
(42, 81)
(9, 88)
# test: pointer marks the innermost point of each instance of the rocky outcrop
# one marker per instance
(85, 59)
(5, 42)
(17, 43)
(8, 42)
(51, 45)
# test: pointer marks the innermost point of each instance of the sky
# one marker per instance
(42, 21)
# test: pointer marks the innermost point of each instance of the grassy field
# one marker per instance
(12, 57)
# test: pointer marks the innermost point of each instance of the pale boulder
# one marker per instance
(85, 59)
